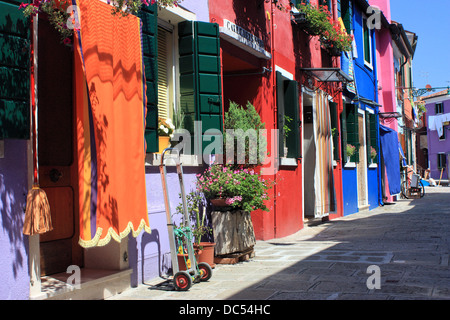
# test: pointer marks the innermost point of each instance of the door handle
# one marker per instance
(55, 175)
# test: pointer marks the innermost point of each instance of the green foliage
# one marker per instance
(321, 23)
(286, 128)
(56, 13)
(245, 122)
(242, 188)
(351, 149)
(194, 201)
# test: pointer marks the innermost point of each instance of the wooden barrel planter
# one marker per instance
(233, 234)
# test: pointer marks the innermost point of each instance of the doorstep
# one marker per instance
(364, 208)
(96, 284)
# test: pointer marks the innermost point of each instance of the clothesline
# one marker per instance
(436, 123)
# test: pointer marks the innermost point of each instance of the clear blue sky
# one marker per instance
(430, 21)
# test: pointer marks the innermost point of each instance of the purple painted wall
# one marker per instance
(199, 7)
(149, 254)
(436, 146)
(14, 279)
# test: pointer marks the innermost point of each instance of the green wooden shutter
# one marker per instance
(334, 128)
(14, 72)
(346, 14)
(344, 131)
(373, 134)
(291, 109)
(280, 113)
(200, 75)
(148, 15)
(352, 129)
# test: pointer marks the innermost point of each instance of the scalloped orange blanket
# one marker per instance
(110, 111)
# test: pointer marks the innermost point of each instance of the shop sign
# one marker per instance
(243, 39)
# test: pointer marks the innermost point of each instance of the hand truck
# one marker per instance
(181, 239)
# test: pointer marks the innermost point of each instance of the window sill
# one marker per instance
(154, 159)
(373, 165)
(350, 165)
(291, 162)
(368, 65)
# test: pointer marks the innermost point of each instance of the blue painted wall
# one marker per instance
(366, 85)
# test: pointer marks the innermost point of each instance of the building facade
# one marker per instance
(438, 117)
(197, 58)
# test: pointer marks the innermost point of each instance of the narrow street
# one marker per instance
(407, 245)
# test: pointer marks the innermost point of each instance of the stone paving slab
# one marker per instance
(409, 242)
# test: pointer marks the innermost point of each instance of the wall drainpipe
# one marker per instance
(274, 88)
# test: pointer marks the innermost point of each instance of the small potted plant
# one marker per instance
(165, 133)
(351, 150)
(373, 154)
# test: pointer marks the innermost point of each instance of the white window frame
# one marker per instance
(367, 63)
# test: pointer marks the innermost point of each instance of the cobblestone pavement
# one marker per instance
(407, 244)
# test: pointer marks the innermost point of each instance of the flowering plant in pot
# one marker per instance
(319, 22)
(351, 150)
(373, 153)
(239, 188)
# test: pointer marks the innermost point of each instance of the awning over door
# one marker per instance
(110, 101)
(390, 147)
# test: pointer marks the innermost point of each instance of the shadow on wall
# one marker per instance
(13, 192)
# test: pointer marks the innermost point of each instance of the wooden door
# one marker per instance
(57, 163)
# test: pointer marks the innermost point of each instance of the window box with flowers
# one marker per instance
(318, 21)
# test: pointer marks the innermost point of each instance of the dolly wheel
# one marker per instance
(205, 271)
(182, 281)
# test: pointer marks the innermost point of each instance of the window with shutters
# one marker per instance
(439, 108)
(288, 117)
(334, 129)
(200, 80)
(350, 131)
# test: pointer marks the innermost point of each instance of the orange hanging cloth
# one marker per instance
(110, 111)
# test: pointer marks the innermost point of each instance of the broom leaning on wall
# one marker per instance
(37, 214)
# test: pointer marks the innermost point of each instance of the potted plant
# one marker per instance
(204, 249)
(351, 150)
(165, 133)
(373, 154)
(242, 121)
(242, 188)
(318, 21)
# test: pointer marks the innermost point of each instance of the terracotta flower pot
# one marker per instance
(185, 257)
(219, 202)
(206, 253)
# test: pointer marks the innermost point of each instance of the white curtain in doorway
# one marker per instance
(323, 176)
